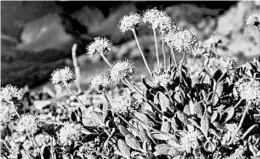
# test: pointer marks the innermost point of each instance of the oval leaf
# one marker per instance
(204, 123)
(132, 142)
(124, 149)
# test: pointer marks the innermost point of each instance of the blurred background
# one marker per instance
(36, 37)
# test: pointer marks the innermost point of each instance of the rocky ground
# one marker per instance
(37, 36)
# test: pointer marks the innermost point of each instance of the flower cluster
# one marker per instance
(121, 104)
(100, 83)
(121, 70)
(69, 131)
(99, 46)
(184, 40)
(223, 63)
(190, 141)
(129, 22)
(10, 93)
(163, 80)
(158, 19)
(27, 123)
(249, 90)
(7, 113)
(253, 19)
(60, 76)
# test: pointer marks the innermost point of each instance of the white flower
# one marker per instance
(253, 19)
(9, 93)
(249, 90)
(129, 22)
(190, 141)
(121, 70)
(230, 132)
(62, 75)
(27, 123)
(69, 131)
(100, 83)
(223, 63)
(99, 46)
(158, 19)
(7, 113)
(121, 103)
(163, 80)
(184, 40)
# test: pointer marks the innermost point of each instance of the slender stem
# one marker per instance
(240, 123)
(156, 48)
(36, 145)
(139, 47)
(76, 67)
(67, 87)
(163, 51)
(105, 59)
(52, 148)
(183, 58)
(173, 56)
(238, 103)
(6, 145)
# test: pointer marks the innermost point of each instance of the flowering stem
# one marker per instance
(6, 145)
(240, 123)
(139, 47)
(105, 59)
(52, 148)
(163, 51)
(238, 103)
(183, 58)
(76, 67)
(67, 87)
(156, 48)
(173, 56)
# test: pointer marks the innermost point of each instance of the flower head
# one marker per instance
(99, 46)
(158, 19)
(163, 80)
(100, 83)
(249, 90)
(121, 70)
(253, 19)
(62, 75)
(190, 141)
(183, 40)
(121, 104)
(10, 93)
(69, 131)
(28, 123)
(223, 63)
(7, 113)
(129, 22)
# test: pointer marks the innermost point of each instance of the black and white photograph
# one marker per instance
(130, 79)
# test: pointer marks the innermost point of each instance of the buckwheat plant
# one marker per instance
(181, 110)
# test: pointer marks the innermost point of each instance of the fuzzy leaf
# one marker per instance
(132, 142)
(178, 97)
(174, 124)
(124, 149)
(210, 146)
(204, 123)
(186, 110)
(162, 149)
(161, 136)
(228, 114)
(164, 101)
(220, 88)
(165, 126)
(215, 117)
(123, 130)
(182, 117)
(199, 109)
(147, 83)
(142, 117)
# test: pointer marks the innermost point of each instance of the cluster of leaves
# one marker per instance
(169, 114)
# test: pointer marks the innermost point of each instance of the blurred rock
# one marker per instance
(238, 38)
(43, 33)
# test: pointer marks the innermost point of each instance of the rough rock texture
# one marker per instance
(238, 38)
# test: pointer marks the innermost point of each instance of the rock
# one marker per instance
(239, 39)
(44, 33)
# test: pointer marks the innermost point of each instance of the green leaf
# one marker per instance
(215, 117)
(124, 149)
(210, 146)
(164, 101)
(178, 96)
(161, 136)
(199, 109)
(132, 142)
(165, 126)
(123, 130)
(46, 152)
(162, 149)
(182, 117)
(228, 114)
(204, 123)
